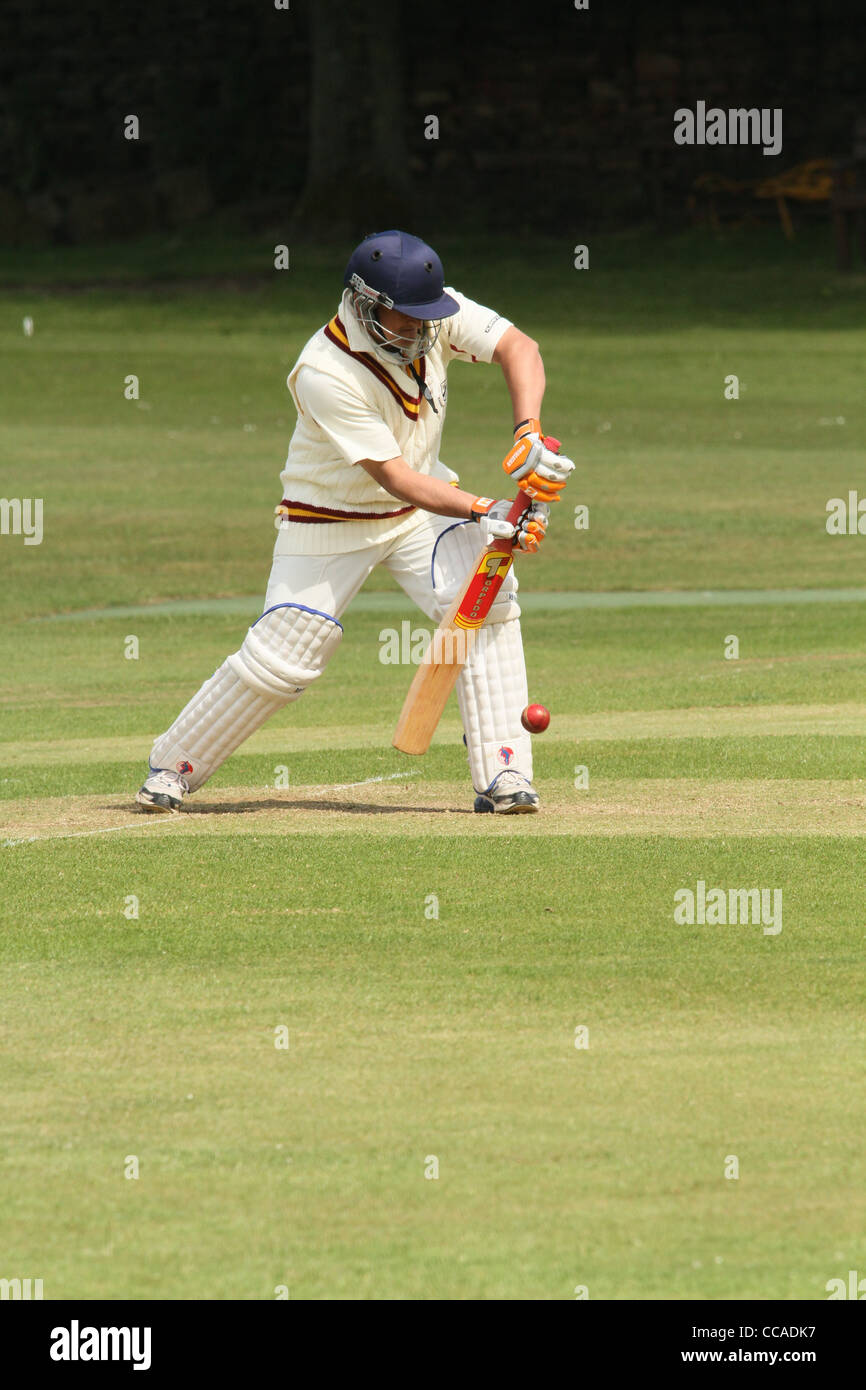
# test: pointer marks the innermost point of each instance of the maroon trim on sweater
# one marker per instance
(323, 515)
(455, 348)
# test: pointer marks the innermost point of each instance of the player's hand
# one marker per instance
(535, 463)
(527, 534)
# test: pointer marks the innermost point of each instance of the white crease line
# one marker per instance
(345, 786)
(78, 834)
(169, 820)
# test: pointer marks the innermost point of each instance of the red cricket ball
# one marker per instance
(535, 719)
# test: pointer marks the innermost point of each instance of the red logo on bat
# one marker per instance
(486, 583)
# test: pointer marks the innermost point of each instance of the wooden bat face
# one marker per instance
(436, 676)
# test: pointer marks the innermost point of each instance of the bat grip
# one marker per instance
(518, 507)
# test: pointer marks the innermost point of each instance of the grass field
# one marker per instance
(431, 967)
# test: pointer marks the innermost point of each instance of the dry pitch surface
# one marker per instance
(400, 804)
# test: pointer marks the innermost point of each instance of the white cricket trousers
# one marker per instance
(299, 632)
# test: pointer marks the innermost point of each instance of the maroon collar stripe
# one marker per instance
(410, 405)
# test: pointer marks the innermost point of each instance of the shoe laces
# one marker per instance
(509, 782)
(173, 778)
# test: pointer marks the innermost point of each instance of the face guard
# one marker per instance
(366, 302)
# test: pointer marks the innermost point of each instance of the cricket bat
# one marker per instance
(452, 642)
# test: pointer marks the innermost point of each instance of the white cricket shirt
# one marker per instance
(352, 406)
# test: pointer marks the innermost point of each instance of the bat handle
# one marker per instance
(518, 507)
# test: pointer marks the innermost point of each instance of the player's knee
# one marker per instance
(286, 649)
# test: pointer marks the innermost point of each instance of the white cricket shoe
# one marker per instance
(162, 791)
(509, 794)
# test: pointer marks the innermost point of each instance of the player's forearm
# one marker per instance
(430, 494)
(523, 370)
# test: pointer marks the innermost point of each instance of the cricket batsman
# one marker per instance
(364, 485)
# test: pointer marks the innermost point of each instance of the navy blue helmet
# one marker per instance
(394, 270)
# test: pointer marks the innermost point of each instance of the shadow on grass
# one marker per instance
(238, 808)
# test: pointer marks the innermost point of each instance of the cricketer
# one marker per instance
(363, 485)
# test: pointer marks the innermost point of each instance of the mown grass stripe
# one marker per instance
(398, 602)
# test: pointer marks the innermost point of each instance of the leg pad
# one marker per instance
(282, 653)
(492, 695)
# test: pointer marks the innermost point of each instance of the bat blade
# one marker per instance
(434, 680)
(424, 704)
(452, 643)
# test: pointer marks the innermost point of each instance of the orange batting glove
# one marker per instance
(535, 463)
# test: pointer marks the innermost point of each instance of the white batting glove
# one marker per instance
(527, 534)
